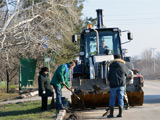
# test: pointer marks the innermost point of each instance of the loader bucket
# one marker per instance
(95, 93)
(92, 100)
(102, 100)
(135, 98)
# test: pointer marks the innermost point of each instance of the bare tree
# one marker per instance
(30, 31)
(157, 64)
(148, 64)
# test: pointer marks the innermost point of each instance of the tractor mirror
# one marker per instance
(130, 36)
(74, 38)
(124, 51)
(127, 59)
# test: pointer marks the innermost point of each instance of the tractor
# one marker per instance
(89, 78)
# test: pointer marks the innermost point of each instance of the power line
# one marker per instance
(134, 19)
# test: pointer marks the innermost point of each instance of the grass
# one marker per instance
(3, 88)
(4, 96)
(26, 111)
(12, 94)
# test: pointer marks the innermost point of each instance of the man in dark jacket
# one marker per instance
(59, 79)
(44, 86)
(117, 80)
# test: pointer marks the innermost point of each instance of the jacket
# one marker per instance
(61, 75)
(44, 85)
(118, 72)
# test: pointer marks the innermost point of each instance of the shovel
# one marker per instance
(106, 113)
(80, 103)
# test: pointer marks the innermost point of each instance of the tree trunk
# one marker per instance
(7, 73)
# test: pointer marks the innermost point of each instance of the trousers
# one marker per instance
(44, 103)
(113, 93)
(58, 92)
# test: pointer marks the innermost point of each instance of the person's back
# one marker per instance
(61, 74)
(117, 73)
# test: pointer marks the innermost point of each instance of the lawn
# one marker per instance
(11, 95)
(5, 96)
(26, 111)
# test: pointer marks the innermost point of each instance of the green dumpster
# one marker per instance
(27, 72)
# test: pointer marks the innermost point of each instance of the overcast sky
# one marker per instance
(141, 17)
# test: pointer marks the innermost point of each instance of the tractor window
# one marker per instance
(91, 46)
(107, 40)
(106, 43)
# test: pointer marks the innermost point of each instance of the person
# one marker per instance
(59, 79)
(107, 51)
(44, 87)
(117, 80)
(129, 80)
(104, 49)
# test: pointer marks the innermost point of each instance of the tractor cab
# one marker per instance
(108, 39)
(101, 43)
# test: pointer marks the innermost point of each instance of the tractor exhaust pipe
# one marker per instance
(99, 18)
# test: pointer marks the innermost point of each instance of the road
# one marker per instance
(149, 111)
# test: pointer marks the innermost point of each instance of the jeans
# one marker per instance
(58, 91)
(113, 93)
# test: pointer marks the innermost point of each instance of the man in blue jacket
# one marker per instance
(59, 79)
(117, 79)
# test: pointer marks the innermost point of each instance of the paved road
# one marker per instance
(65, 93)
(149, 111)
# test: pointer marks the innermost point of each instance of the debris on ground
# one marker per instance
(73, 116)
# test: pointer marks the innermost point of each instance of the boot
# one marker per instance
(111, 112)
(126, 107)
(120, 111)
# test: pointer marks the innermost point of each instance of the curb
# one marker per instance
(61, 115)
(31, 94)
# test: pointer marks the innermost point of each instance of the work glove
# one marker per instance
(69, 88)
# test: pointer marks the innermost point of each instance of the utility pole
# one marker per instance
(154, 68)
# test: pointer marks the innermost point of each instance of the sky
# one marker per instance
(141, 17)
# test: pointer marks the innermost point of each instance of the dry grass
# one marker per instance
(13, 93)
